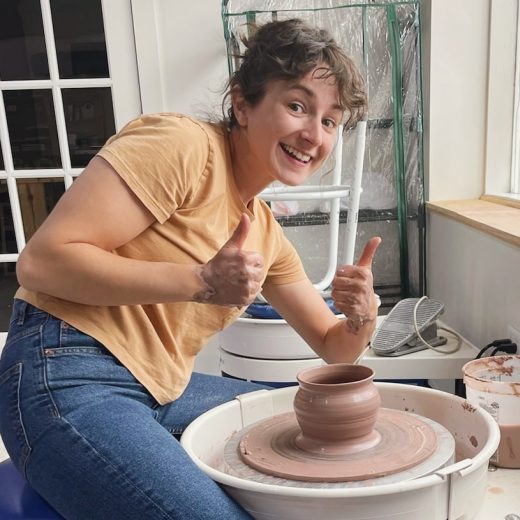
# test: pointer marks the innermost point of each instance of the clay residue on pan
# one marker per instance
(405, 441)
(495, 490)
(499, 360)
(496, 364)
(504, 371)
(468, 407)
(474, 441)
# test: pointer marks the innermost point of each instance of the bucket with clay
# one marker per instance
(493, 383)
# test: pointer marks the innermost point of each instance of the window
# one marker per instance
(68, 81)
(503, 122)
(515, 159)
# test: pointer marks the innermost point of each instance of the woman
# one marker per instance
(159, 244)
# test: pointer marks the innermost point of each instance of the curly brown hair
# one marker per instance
(288, 50)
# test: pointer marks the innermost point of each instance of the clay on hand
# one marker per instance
(353, 289)
(233, 276)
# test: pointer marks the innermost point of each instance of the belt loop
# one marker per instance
(21, 312)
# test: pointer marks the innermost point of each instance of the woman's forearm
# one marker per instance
(84, 273)
(344, 344)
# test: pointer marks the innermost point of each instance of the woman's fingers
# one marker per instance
(352, 287)
(233, 276)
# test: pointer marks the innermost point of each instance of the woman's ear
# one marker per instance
(239, 106)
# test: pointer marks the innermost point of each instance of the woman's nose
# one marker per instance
(313, 132)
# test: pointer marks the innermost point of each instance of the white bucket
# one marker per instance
(493, 383)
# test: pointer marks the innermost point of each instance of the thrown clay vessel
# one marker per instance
(337, 432)
(336, 407)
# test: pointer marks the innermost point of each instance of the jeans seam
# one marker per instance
(23, 334)
(175, 431)
(21, 314)
(22, 425)
(55, 411)
(64, 351)
(4, 376)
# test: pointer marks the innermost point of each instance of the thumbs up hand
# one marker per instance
(353, 291)
(232, 277)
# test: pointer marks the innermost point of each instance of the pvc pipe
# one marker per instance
(355, 194)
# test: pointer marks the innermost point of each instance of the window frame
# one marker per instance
(502, 165)
(123, 82)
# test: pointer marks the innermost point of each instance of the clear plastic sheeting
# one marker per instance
(383, 38)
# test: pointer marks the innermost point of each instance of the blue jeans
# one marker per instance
(91, 439)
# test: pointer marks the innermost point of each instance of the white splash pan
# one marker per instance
(454, 492)
(265, 370)
(261, 338)
(264, 339)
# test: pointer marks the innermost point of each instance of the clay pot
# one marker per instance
(336, 407)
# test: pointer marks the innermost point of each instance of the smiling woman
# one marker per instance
(288, 135)
(121, 310)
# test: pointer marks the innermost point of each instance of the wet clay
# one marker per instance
(336, 407)
(338, 432)
(508, 453)
(403, 441)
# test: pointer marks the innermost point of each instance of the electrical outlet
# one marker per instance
(514, 335)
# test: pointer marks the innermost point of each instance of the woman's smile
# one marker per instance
(302, 157)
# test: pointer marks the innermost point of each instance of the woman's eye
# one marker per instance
(296, 107)
(329, 123)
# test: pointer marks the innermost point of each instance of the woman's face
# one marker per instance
(293, 130)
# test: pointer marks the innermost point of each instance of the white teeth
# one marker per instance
(300, 156)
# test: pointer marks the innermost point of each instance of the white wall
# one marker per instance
(476, 276)
(181, 55)
(455, 60)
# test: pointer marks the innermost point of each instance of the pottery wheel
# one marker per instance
(402, 440)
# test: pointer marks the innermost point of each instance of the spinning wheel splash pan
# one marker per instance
(451, 492)
(402, 441)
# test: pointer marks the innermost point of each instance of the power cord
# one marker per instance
(499, 345)
(446, 329)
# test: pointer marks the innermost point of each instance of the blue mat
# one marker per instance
(18, 500)
(267, 312)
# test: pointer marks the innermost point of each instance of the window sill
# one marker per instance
(490, 214)
(506, 199)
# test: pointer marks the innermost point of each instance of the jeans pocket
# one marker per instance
(12, 428)
(77, 375)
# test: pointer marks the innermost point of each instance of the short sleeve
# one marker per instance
(162, 158)
(287, 267)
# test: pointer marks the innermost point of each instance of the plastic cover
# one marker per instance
(383, 38)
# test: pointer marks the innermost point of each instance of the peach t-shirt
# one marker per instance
(180, 169)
